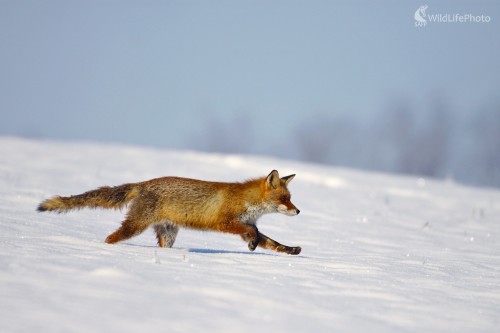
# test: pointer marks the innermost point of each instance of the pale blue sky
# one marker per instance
(176, 74)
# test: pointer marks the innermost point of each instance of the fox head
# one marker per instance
(277, 196)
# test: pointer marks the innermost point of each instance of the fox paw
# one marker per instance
(252, 245)
(294, 250)
(289, 250)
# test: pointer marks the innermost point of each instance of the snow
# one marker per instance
(380, 253)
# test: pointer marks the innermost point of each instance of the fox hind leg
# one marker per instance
(136, 222)
(128, 229)
(166, 233)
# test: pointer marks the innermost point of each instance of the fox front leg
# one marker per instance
(248, 232)
(255, 240)
(270, 244)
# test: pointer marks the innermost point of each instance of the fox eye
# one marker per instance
(283, 199)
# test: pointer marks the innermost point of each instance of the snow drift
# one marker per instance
(380, 253)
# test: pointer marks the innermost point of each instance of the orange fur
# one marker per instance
(171, 202)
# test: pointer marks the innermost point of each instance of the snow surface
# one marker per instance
(380, 253)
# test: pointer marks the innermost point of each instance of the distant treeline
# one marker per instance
(435, 142)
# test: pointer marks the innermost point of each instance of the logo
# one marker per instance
(420, 16)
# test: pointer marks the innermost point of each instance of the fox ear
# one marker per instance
(273, 179)
(287, 179)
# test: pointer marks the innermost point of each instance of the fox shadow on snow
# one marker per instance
(208, 251)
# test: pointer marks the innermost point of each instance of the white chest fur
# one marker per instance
(254, 212)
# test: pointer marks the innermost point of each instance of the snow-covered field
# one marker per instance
(380, 253)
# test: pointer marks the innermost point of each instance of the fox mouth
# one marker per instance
(290, 212)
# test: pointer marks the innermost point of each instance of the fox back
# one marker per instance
(202, 205)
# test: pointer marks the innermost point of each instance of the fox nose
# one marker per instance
(298, 211)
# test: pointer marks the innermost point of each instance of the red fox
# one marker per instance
(169, 203)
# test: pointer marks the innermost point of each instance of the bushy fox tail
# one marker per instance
(105, 197)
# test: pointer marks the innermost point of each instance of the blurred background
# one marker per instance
(346, 83)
